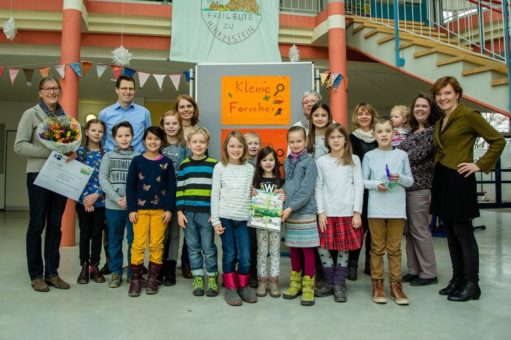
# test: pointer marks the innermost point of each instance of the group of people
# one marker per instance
(385, 176)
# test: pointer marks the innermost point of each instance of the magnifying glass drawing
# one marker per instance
(280, 88)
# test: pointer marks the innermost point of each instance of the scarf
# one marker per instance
(366, 136)
(58, 112)
(295, 155)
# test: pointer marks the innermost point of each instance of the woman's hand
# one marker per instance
(219, 230)
(357, 220)
(285, 214)
(322, 222)
(467, 169)
(133, 217)
(181, 219)
(166, 217)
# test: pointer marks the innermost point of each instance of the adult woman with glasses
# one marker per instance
(46, 207)
(453, 194)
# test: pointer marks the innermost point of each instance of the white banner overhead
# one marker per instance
(225, 31)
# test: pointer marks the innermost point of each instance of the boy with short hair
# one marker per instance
(254, 144)
(194, 181)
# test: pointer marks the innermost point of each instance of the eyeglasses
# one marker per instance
(50, 89)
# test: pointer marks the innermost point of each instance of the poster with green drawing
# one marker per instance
(265, 210)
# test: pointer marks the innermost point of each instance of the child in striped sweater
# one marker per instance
(194, 180)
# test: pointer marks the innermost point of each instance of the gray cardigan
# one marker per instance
(27, 142)
(299, 185)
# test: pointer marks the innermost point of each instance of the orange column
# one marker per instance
(70, 52)
(337, 59)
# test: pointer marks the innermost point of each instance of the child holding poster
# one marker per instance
(267, 178)
(299, 214)
(230, 201)
(339, 194)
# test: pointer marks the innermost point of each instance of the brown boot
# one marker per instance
(274, 287)
(152, 279)
(262, 286)
(136, 280)
(186, 270)
(83, 278)
(397, 294)
(95, 274)
(378, 291)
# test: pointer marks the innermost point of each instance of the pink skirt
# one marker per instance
(341, 235)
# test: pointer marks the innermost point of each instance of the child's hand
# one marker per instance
(394, 177)
(90, 199)
(166, 217)
(181, 219)
(253, 192)
(382, 187)
(357, 220)
(89, 208)
(282, 194)
(71, 156)
(322, 222)
(285, 214)
(219, 230)
(133, 217)
(122, 202)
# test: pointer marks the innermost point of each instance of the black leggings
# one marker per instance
(463, 249)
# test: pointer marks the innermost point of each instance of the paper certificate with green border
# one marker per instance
(265, 210)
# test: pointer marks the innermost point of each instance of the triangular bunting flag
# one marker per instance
(13, 73)
(129, 71)
(28, 75)
(142, 78)
(175, 78)
(100, 69)
(187, 75)
(61, 70)
(1, 71)
(330, 82)
(337, 82)
(323, 76)
(159, 79)
(116, 70)
(86, 65)
(76, 68)
(44, 71)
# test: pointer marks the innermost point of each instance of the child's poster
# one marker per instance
(265, 210)
(256, 100)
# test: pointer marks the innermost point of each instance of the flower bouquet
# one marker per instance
(61, 134)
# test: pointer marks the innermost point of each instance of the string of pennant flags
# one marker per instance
(333, 80)
(81, 68)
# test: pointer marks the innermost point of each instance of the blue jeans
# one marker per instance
(46, 209)
(235, 246)
(200, 239)
(117, 221)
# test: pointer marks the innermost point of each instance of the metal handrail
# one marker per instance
(474, 25)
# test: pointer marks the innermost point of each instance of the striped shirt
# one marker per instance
(194, 180)
(230, 196)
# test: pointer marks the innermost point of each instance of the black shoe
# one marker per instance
(469, 291)
(105, 270)
(424, 282)
(409, 278)
(352, 273)
(454, 285)
(170, 277)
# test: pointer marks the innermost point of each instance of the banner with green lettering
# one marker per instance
(225, 31)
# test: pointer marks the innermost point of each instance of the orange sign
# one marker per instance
(277, 138)
(256, 100)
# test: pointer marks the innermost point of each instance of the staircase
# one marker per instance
(430, 54)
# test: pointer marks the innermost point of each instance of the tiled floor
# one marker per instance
(95, 311)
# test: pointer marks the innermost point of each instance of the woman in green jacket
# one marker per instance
(454, 196)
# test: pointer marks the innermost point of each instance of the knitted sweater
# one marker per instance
(194, 182)
(230, 195)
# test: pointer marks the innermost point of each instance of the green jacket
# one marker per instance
(455, 143)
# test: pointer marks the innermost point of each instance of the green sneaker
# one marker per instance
(212, 286)
(198, 285)
(115, 281)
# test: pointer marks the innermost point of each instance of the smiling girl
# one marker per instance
(321, 118)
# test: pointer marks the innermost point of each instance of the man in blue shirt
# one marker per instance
(125, 110)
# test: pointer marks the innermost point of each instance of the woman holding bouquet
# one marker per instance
(46, 207)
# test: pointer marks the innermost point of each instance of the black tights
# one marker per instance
(463, 249)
